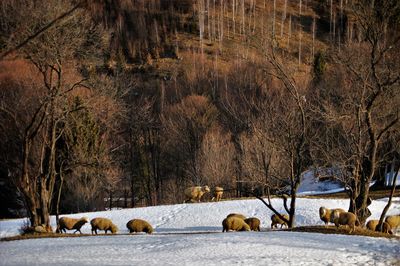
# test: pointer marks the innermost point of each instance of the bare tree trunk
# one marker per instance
(283, 18)
(273, 20)
(239, 168)
(313, 38)
(61, 174)
(201, 24)
(389, 203)
(289, 31)
(110, 204)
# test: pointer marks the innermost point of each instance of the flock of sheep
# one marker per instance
(233, 222)
(341, 217)
(134, 226)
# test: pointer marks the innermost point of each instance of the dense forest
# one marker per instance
(107, 103)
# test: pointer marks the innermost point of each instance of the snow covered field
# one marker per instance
(172, 243)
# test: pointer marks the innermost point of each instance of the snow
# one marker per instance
(312, 185)
(250, 248)
(191, 234)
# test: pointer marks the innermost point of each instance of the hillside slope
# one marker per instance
(191, 234)
(207, 217)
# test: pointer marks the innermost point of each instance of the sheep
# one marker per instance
(103, 224)
(237, 215)
(393, 221)
(372, 225)
(275, 220)
(138, 225)
(345, 218)
(195, 193)
(218, 191)
(234, 224)
(326, 215)
(254, 223)
(70, 224)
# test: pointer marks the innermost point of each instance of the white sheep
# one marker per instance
(326, 215)
(103, 224)
(275, 220)
(372, 225)
(254, 223)
(393, 221)
(218, 191)
(138, 225)
(195, 193)
(234, 224)
(70, 224)
(345, 218)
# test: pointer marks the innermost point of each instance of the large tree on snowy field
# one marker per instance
(41, 101)
(359, 100)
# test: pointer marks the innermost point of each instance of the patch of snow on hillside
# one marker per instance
(312, 185)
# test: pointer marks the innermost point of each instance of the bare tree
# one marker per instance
(290, 131)
(187, 123)
(51, 54)
(375, 78)
(216, 159)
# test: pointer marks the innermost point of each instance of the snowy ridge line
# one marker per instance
(208, 216)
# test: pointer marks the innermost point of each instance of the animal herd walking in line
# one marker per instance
(233, 221)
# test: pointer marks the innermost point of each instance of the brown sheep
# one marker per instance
(393, 221)
(275, 220)
(193, 194)
(103, 224)
(254, 223)
(372, 225)
(70, 224)
(138, 225)
(218, 193)
(237, 215)
(326, 215)
(345, 218)
(234, 224)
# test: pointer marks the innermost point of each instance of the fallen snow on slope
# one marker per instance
(173, 244)
(202, 217)
(250, 248)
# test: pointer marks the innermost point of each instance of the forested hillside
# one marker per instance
(107, 103)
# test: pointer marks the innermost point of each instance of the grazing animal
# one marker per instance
(66, 223)
(345, 218)
(275, 220)
(326, 215)
(372, 225)
(103, 224)
(234, 224)
(393, 221)
(254, 223)
(138, 225)
(237, 215)
(194, 194)
(218, 191)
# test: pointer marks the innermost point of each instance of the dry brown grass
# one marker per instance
(341, 231)
(305, 229)
(50, 235)
(374, 194)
